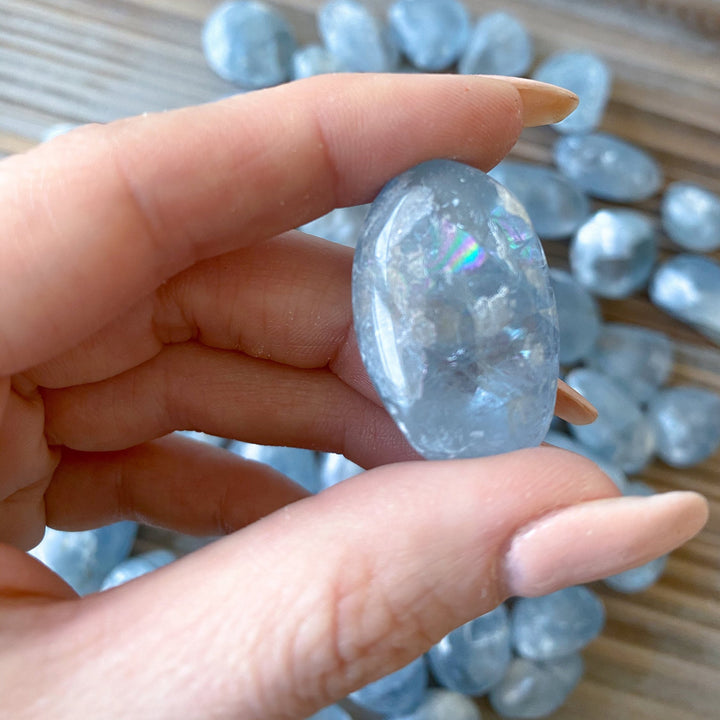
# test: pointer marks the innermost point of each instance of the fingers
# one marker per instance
(570, 405)
(117, 210)
(289, 619)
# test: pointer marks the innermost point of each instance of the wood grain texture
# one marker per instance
(82, 61)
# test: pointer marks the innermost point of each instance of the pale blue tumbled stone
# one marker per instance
(638, 579)
(442, 704)
(203, 437)
(355, 37)
(608, 168)
(536, 689)
(341, 225)
(299, 464)
(311, 60)
(399, 693)
(556, 207)
(578, 317)
(248, 43)
(687, 424)
(555, 625)
(691, 216)
(637, 358)
(136, 566)
(332, 712)
(475, 656)
(431, 33)
(613, 253)
(454, 313)
(589, 77)
(688, 287)
(499, 44)
(84, 558)
(335, 468)
(58, 129)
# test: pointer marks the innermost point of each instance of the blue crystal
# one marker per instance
(637, 358)
(341, 225)
(298, 464)
(499, 44)
(475, 656)
(691, 216)
(136, 566)
(556, 207)
(83, 559)
(312, 60)
(431, 33)
(536, 689)
(555, 625)
(688, 287)
(454, 313)
(203, 437)
(687, 424)
(58, 129)
(444, 705)
(613, 253)
(248, 43)
(578, 317)
(335, 468)
(638, 579)
(355, 37)
(589, 77)
(332, 712)
(608, 168)
(399, 693)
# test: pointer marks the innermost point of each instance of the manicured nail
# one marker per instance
(543, 103)
(570, 405)
(595, 539)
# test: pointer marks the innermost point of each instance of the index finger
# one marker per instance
(99, 218)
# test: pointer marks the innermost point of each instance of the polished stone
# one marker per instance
(639, 449)
(83, 559)
(608, 168)
(335, 468)
(354, 36)
(248, 43)
(613, 253)
(536, 689)
(299, 464)
(136, 566)
(203, 437)
(578, 317)
(431, 33)
(399, 693)
(688, 287)
(499, 44)
(332, 712)
(58, 129)
(442, 704)
(589, 77)
(637, 358)
(687, 424)
(638, 579)
(341, 225)
(475, 656)
(691, 216)
(556, 206)
(454, 313)
(312, 60)
(555, 625)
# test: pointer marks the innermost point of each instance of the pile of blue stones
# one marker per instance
(523, 655)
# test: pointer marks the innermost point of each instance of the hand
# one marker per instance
(150, 283)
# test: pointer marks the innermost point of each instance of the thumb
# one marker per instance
(339, 589)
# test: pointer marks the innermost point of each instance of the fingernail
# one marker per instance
(543, 103)
(570, 405)
(596, 539)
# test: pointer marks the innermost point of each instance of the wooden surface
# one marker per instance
(82, 60)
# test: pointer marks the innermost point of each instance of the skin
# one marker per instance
(150, 283)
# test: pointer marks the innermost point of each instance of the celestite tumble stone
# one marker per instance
(355, 37)
(454, 314)
(578, 317)
(556, 207)
(313, 60)
(399, 693)
(613, 253)
(136, 566)
(444, 705)
(431, 33)
(691, 216)
(332, 712)
(639, 359)
(536, 689)
(341, 225)
(248, 43)
(589, 77)
(499, 45)
(475, 656)
(335, 468)
(688, 287)
(555, 625)
(608, 168)
(687, 424)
